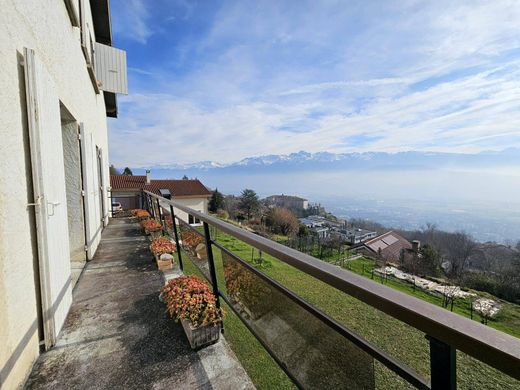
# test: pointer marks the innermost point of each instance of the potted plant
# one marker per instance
(165, 262)
(190, 300)
(152, 227)
(140, 214)
(190, 240)
(163, 246)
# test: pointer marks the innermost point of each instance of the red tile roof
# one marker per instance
(176, 187)
(127, 182)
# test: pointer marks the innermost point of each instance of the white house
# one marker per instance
(58, 80)
(127, 190)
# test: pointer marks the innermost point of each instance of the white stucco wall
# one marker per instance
(196, 203)
(45, 27)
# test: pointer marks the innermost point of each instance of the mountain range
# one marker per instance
(478, 193)
(306, 161)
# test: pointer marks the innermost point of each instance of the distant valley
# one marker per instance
(478, 193)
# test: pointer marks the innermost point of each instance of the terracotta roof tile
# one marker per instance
(176, 187)
(179, 187)
(127, 182)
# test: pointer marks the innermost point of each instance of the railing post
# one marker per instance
(150, 205)
(174, 227)
(443, 368)
(211, 263)
(159, 210)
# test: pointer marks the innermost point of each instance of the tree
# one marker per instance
(114, 170)
(185, 177)
(282, 220)
(460, 247)
(449, 294)
(249, 203)
(428, 261)
(127, 171)
(216, 202)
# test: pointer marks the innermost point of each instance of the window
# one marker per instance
(192, 220)
(165, 193)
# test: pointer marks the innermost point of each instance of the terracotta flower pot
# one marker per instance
(164, 261)
(164, 265)
(201, 336)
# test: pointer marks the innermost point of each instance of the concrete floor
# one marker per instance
(118, 336)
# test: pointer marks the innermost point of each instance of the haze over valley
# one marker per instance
(478, 193)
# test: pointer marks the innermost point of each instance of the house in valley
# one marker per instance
(287, 201)
(388, 247)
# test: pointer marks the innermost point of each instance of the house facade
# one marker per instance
(57, 90)
(288, 201)
(356, 235)
(388, 247)
(128, 191)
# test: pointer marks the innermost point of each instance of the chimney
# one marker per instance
(416, 245)
(148, 179)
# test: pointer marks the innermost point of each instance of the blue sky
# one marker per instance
(219, 80)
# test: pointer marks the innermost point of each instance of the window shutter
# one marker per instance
(110, 68)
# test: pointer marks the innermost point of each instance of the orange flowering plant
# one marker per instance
(151, 225)
(140, 213)
(161, 245)
(189, 298)
(191, 238)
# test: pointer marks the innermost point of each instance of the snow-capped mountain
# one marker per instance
(365, 161)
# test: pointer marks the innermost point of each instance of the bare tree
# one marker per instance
(459, 247)
(282, 220)
(449, 295)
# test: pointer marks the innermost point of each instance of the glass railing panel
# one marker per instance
(474, 374)
(193, 244)
(312, 352)
(397, 339)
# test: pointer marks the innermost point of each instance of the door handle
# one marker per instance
(53, 204)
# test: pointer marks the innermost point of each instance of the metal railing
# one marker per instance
(447, 332)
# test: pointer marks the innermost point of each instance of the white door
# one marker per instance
(43, 111)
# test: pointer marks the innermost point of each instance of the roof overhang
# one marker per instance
(110, 104)
(103, 32)
(101, 18)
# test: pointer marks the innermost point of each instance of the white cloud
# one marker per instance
(133, 20)
(440, 76)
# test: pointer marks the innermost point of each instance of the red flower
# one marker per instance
(151, 225)
(162, 245)
(188, 297)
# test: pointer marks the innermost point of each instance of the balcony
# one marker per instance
(117, 334)
(291, 319)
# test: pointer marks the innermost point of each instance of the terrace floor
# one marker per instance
(117, 334)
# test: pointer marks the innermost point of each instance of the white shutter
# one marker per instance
(86, 38)
(43, 112)
(110, 69)
(87, 199)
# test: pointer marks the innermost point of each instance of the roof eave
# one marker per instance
(102, 22)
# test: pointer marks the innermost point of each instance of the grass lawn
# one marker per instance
(396, 338)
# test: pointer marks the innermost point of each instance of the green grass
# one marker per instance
(403, 342)
(507, 320)
(261, 368)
